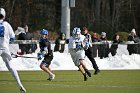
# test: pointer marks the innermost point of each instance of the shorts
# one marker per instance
(47, 60)
(77, 55)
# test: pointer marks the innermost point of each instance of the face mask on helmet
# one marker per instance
(76, 32)
(1, 16)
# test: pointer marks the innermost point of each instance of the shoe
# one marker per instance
(51, 77)
(85, 77)
(22, 90)
(96, 72)
(88, 72)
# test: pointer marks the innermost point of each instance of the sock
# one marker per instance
(84, 74)
(14, 74)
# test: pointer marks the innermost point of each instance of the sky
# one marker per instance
(63, 61)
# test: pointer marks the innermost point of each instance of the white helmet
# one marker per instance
(2, 12)
(76, 31)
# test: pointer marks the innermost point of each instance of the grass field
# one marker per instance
(109, 81)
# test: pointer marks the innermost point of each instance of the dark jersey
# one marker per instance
(60, 45)
(45, 43)
(22, 36)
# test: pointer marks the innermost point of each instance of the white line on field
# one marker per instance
(102, 86)
(69, 85)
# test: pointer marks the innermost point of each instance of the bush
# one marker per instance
(123, 35)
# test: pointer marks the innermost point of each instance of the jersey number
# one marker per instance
(1, 30)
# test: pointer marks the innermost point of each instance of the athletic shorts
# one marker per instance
(47, 60)
(77, 55)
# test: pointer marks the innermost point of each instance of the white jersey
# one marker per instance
(74, 41)
(8, 33)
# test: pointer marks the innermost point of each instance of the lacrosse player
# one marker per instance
(77, 44)
(7, 34)
(46, 53)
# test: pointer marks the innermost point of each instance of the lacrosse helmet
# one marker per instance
(44, 32)
(76, 32)
(2, 13)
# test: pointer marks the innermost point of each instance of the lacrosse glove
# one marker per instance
(40, 56)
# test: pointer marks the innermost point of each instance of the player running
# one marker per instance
(46, 53)
(77, 44)
(7, 34)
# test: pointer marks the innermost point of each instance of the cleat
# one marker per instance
(88, 72)
(96, 72)
(22, 90)
(51, 77)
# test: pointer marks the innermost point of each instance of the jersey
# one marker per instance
(6, 32)
(44, 43)
(76, 42)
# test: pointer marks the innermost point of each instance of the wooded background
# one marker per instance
(110, 16)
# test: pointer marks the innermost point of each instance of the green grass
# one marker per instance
(118, 81)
